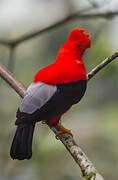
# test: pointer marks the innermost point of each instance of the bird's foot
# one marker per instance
(62, 130)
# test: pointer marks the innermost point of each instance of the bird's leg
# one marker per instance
(62, 130)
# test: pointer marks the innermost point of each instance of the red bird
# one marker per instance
(54, 90)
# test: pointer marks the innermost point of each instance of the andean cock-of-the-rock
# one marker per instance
(53, 91)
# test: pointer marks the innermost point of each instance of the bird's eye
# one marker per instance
(79, 45)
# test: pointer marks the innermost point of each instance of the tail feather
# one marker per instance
(21, 147)
(30, 139)
(15, 144)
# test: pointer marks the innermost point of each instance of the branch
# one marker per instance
(87, 168)
(9, 78)
(67, 19)
(101, 65)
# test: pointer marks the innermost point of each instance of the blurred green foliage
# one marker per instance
(93, 121)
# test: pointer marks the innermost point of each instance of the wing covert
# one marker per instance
(36, 96)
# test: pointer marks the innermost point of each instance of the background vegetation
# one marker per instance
(94, 120)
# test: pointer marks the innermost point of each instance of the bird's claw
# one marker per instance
(62, 130)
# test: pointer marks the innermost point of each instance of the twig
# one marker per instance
(101, 65)
(10, 79)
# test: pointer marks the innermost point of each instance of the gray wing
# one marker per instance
(36, 96)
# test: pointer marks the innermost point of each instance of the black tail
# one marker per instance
(21, 147)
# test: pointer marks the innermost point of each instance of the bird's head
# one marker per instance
(79, 40)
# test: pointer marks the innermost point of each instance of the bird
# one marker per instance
(54, 90)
